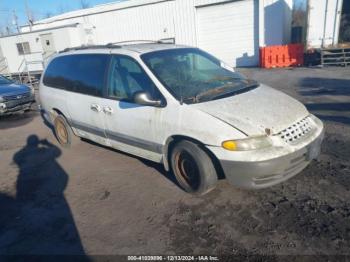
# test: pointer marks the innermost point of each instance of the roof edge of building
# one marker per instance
(41, 30)
(96, 10)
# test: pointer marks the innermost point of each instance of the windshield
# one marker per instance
(4, 81)
(193, 76)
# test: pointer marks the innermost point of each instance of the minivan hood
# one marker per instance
(254, 111)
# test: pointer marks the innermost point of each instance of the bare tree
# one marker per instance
(299, 13)
(63, 8)
(344, 35)
(29, 14)
(84, 4)
(345, 28)
(2, 30)
(48, 14)
(7, 26)
(6, 29)
(299, 17)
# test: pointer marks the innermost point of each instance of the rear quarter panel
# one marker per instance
(53, 99)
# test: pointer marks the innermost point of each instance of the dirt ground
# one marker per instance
(91, 200)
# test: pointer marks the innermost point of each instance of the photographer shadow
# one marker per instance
(38, 221)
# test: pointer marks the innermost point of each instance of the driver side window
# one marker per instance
(126, 77)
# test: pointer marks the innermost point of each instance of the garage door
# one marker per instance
(230, 31)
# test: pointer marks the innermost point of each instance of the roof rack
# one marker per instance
(84, 47)
(160, 41)
(131, 41)
(117, 44)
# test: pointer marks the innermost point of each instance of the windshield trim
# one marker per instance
(197, 50)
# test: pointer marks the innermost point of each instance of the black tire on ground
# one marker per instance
(64, 133)
(193, 168)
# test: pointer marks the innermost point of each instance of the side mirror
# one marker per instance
(143, 98)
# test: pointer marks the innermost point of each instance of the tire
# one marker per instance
(64, 133)
(193, 168)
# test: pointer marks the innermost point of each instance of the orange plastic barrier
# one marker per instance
(282, 56)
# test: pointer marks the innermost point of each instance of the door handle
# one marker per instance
(95, 108)
(108, 110)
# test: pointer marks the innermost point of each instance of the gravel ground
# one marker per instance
(90, 200)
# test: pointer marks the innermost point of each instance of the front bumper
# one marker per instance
(255, 174)
(13, 106)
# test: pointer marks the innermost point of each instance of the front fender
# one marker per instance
(195, 125)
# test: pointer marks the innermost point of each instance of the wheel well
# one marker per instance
(56, 112)
(172, 141)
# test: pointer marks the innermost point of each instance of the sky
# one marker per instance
(40, 8)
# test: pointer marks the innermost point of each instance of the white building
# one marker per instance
(324, 18)
(233, 30)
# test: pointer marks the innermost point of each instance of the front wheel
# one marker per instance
(193, 168)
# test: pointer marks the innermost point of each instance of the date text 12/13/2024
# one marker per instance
(173, 258)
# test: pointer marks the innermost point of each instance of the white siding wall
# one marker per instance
(146, 19)
(323, 24)
(152, 19)
(8, 45)
(185, 19)
(62, 39)
(185, 22)
(230, 31)
(277, 21)
(77, 37)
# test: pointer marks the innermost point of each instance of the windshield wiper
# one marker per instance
(220, 91)
(236, 92)
(212, 92)
(223, 78)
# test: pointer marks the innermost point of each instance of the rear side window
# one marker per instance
(78, 73)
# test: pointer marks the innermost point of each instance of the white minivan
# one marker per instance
(181, 107)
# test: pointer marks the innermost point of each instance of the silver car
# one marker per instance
(181, 107)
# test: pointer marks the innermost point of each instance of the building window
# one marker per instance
(23, 48)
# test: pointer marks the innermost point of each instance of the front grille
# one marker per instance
(17, 97)
(24, 99)
(297, 131)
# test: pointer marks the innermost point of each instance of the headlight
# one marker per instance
(32, 91)
(1, 99)
(246, 144)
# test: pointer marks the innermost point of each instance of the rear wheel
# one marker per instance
(193, 168)
(64, 132)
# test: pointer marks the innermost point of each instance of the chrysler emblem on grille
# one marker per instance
(18, 97)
